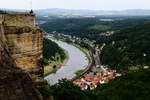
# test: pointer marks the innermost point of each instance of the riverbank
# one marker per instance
(54, 65)
(77, 61)
(50, 69)
(85, 51)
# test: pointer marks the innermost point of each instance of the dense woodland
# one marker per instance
(50, 49)
(132, 48)
(92, 27)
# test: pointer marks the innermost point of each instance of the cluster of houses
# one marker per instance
(108, 33)
(76, 39)
(90, 82)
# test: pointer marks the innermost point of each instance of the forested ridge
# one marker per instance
(91, 28)
(131, 48)
(86, 26)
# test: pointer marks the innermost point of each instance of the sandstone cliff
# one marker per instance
(20, 55)
(25, 41)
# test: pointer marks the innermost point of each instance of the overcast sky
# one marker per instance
(77, 4)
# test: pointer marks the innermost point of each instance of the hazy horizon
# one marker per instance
(77, 4)
(74, 9)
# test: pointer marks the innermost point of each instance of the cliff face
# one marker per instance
(20, 55)
(14, 83)
(25, 41)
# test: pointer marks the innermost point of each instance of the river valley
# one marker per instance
(77, 61)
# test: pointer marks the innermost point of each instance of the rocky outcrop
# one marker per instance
(25, 41)
(14, 83)
(26, 48)
(20, 54)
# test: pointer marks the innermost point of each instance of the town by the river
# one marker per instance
(94, 74)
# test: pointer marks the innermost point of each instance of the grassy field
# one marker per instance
(99, 27)
(79, 72)
(50, 72)
(55, 65)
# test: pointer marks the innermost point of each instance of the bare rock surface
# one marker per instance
(20, 54)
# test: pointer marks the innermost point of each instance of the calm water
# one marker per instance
(77, 61)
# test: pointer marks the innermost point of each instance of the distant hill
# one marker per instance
(79, 12)
(132, 12)
(84, 26)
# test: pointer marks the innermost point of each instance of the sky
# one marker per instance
(76, 4)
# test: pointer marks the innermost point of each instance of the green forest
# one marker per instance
(50, 49)
(132, 48)
(88, 27)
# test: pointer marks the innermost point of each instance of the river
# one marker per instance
(77, 61)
